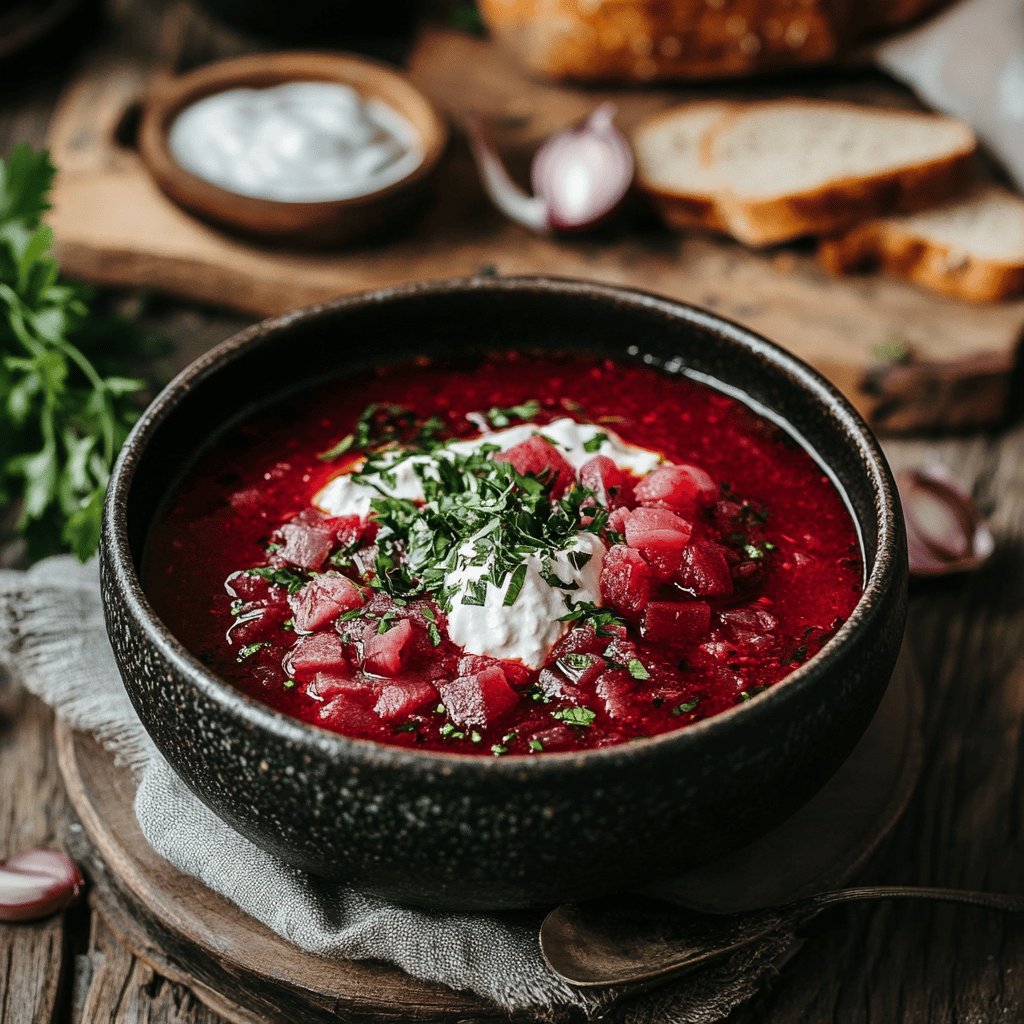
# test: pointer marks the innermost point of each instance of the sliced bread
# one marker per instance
(671, 168)
(772, 171)
(805, 167)
(972, 248)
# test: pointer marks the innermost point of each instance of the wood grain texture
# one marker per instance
(115, 227)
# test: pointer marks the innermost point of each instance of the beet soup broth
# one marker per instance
(525, 555)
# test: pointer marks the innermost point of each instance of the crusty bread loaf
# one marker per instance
(651, 40)
(772, 171)
(972, 248)
(671, 168)
(665, 40)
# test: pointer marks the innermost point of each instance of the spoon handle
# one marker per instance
(992, 900)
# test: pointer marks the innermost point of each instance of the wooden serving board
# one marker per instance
(114, 227)
(246, 973)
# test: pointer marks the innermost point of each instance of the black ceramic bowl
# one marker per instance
(469, 832)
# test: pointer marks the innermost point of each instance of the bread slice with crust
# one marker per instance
(971, 248)
(787, 168)
(670, 164)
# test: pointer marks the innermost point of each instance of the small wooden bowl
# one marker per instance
(301, 225)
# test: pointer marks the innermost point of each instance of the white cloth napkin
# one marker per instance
(969, 61)
(52, 638)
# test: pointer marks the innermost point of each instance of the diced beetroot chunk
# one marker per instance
(345, 715)
(318, 652)
(536, 457)
(682, 488)
(625, 580)
(516, 673)
(481, 700)
(249, 587)
(704, 570)
(322, 600)
(306, 541)
(676, 621)
(660, 536)
(383, 652)
(328, 685)
(612, 487)
(617, 520)
(258, 621)
(347, 530)
(399, 699)
(618, 691)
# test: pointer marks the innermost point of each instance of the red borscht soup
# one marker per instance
(532, 553)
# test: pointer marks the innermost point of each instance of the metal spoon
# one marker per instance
(633, 940)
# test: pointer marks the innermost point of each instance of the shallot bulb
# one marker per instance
(945, 532)
(37, 883)
(580, 175)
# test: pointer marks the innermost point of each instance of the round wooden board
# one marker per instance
(245, 972)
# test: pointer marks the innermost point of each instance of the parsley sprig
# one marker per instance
(62, 421)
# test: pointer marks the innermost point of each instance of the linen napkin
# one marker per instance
(969, 61)
(52, 638)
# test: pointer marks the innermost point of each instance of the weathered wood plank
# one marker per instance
(33, 956)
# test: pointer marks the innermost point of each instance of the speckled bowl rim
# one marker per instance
(347, 749)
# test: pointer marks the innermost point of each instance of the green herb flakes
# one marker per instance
(685, 708)
(594, 443)
(503, 417)
(637, 670)
(581, 717)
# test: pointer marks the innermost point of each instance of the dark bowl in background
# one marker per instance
(466, 832)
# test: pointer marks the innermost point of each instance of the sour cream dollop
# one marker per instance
(529, 627)
(300, 142)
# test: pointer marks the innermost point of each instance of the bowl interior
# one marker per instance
(352, 335)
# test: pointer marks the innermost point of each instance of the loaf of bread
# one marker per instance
(972, 248)
(652, 40)
(773, 171)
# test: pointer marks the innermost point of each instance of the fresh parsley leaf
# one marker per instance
(594, 443)
(581, 717)
(250, 649)
(685, 708)
(503, 417)
(287, 578)
(637, 670)
(336, 451)
(536, 746)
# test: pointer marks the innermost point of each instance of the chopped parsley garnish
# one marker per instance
(685, 708)
(450, 732)
(637, 670)
(498, 749)
(594, 443)
(406, 727)
(477, 512)
(575, 662)
(287, 578)
(586, 614)
(536, 694)
(250, 649)
(580, 717)
(536, 746)
(290, 684)
(503, 417)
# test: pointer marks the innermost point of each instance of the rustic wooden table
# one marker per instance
(964, 827)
